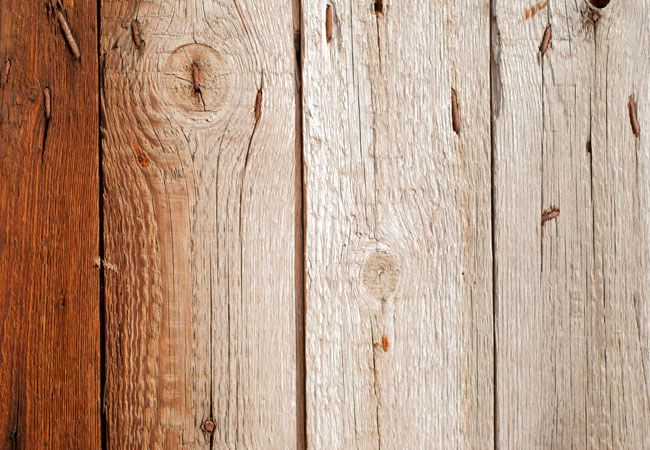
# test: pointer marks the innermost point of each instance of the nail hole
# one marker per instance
(599, 3)
(379, 7)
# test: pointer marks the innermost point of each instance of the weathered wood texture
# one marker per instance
(49, 302)
(398, 242)
(572, 301)
(200, 203)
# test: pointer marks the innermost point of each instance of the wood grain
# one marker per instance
(571, 215)
(201, 219)
(398, 247)
(49, 302)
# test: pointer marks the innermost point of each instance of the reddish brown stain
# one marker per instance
(550, 214)
(141, 156)
(329, 22)
(385, 344)
(537, 7)
(634, 120)
(258, 105)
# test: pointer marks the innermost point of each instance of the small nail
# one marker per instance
(208, 426)
(47, 103)
(385, 344)
(550, 214)
(5, 73)
(455, 111)
(74, 48)
(329, 22)
(546, 40)
(136, 34)
(258, 105)
(634, 120)
(196, 80)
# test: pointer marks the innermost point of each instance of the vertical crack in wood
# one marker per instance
(47, 112)
(375, 374)
(495, 104)
(300, 240)
(101, 84)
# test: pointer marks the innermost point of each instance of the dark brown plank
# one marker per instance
(49, 302)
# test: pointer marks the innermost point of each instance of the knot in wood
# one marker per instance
(380, 274)
(195, 80)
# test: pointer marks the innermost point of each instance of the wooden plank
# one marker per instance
(398, 246)
(49, 302)
(201, 215)
(571, 234)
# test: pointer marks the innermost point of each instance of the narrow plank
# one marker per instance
(49, 186)
(572, 338)
(619, 310)
(200, 207)
(398, 246)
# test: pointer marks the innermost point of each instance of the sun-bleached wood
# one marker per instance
(200, 206)
(571, 292)
(398, 248)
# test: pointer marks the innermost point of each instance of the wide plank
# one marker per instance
(199, 159)
(49, 222)
(571, 225)
(396, 115)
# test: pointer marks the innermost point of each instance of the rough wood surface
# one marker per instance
(49, 303)
(571, 216)
(200, 216)
(396, 112)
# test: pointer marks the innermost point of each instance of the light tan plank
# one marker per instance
(200, 216)
(572, 338)
(398, 247)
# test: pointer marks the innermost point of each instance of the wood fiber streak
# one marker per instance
(199, 102)
(49, 302)
(572, 289)
(398, 247)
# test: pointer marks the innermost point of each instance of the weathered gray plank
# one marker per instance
(200, 208)
(398, 247)
(571, 241)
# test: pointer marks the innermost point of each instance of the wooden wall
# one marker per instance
(324, 224)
